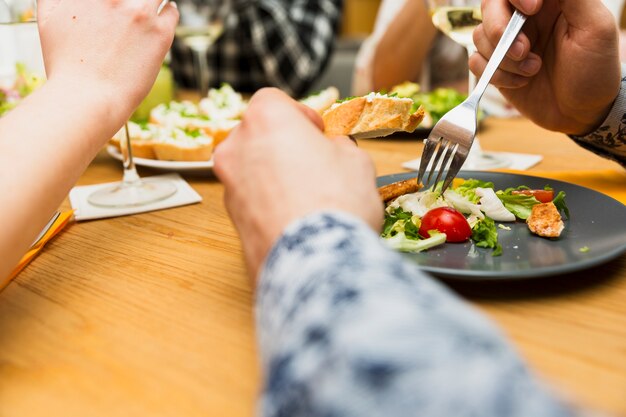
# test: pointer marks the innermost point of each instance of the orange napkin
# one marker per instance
(607, 181)
(57, 226)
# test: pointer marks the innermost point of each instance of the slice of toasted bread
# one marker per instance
(545, 220)
(141, 141)
(320, 102)
(168, 151)
(374, 115)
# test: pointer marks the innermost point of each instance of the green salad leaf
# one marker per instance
(400, 221)
(485, 235)
(402, 243)
(559, 202)
(468, 189)
(519, 204)
(439, 101)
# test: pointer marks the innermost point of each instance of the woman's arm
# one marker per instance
(403, 48)
(101, 58)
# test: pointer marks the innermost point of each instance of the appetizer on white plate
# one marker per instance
(142, 139)
(322, 100)
(223, 103)
(188, 144)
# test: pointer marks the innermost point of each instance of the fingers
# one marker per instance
(496, 16)
(522, 61)
(311, 114)
(501, 78)
(528, 7)
(168, 16)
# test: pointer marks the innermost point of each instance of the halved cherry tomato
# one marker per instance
(446, 220)
(543, 196)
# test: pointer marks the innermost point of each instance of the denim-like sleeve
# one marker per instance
(349, 328)
(609, 140)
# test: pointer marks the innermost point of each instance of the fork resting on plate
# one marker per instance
(450, 140)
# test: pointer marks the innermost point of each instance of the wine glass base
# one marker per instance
(133, 194)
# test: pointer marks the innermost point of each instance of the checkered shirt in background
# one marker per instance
(285, 44)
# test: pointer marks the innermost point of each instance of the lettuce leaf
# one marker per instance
(485, 235)
(402, 243)
(559, 202)
(400, 221)
(519, 204)
(468, 189)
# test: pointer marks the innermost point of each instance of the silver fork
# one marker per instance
(451, 138)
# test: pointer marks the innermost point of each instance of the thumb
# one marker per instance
(587, 15)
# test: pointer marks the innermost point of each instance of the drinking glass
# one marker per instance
(198, 28)
(458, 19)
(132, 191)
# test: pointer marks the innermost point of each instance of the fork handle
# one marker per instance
(509, 35)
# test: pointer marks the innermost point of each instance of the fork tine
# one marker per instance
(443, 146)
(450, 151)
(455, 167)
(430, 145)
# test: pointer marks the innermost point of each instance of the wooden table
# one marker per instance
(151, 315)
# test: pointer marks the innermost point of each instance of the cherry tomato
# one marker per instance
(446, 220)
(543, 196)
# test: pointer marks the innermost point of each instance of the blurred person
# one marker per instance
(563, 72)
(280, 43)
(405, 46)
(101, 58)
(346, 326)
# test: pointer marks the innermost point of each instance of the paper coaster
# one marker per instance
(85, 211)
(518, 161)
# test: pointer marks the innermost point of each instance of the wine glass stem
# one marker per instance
(202, 68)
(471, 78)
(130, 172)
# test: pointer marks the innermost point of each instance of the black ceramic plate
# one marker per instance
(597, 222)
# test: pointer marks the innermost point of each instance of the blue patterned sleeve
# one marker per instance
(609, 140)
(349, 328)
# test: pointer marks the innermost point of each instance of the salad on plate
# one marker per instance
(470, 210)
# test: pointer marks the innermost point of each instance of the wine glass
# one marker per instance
(458, 19)
(132, 191)
(198, 28)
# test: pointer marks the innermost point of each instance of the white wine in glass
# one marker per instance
(458, 19)
(198, 30)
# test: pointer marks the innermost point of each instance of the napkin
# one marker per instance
(518, 161)
(56, 227)
(607, 181)
(85, 211)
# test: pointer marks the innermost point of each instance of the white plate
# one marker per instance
(164, 165)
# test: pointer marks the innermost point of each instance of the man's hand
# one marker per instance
(277, 166)
(563, 72)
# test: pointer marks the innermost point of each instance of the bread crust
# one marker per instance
(140, 148)
(166, 151)
(372, 117)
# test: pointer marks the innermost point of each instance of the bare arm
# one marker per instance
(405, 44)
(50, 138)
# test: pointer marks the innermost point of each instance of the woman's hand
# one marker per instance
(113, 48)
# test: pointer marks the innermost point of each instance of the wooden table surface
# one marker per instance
(151, 315)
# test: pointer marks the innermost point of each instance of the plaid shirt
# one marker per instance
(280, 43)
